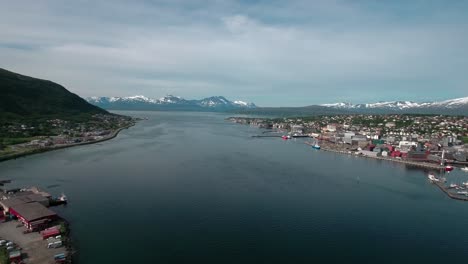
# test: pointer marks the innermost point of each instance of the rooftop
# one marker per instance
(33, 211)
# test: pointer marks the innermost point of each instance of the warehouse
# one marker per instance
(33, 215)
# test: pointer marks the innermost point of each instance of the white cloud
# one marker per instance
(309, 53)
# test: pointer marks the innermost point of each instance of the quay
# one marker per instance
(427, 165)
(407, 162)
(449, 194)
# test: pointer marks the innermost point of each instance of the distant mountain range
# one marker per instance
(168, 102)
(457, 106)
(454, 106)
(27, 97)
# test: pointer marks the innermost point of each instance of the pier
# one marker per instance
(449, 194)
(407, 162)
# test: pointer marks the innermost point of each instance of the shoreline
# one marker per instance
(113, 135)
(440, 186)
(406, 162)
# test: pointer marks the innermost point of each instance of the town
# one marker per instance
(421, 138)
(26, 137)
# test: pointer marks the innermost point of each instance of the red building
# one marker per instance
(34, 216)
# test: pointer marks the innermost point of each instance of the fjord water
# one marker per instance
(192, 188)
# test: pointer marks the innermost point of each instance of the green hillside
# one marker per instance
(23, 97)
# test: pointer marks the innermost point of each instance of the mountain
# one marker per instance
(457, 106)
(22, 96)
(168, 102)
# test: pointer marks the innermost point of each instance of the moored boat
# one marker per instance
(465, 169)
(448, 168)
(433, 178)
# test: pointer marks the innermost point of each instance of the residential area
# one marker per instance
(421, 138)
(27, 137)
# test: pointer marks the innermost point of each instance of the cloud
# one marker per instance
(298, 52)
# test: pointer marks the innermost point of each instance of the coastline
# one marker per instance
(406, 162)
(42, 150)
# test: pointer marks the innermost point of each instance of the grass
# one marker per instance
(465, 140)
(4, 257)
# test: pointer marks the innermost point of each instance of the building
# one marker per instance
(406, 145)
(22, 198)
(34, 215)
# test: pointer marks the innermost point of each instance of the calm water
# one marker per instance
(192, 188)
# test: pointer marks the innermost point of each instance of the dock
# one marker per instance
(449, 194)
(427, 165)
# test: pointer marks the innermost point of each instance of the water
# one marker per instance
(192, 188)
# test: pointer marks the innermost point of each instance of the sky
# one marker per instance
(272, 53)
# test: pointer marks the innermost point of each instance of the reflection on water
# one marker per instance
(192, 188)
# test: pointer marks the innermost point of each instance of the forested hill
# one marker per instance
(26, 97)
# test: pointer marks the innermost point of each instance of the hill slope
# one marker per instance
(23, 96)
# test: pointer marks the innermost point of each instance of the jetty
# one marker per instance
(427, 165)
(450, 194)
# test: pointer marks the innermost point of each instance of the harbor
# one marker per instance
(30, 232)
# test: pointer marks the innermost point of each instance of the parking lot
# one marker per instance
(33, 248)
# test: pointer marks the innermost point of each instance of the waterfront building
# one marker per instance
(34, 216)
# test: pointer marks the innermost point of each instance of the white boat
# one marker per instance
(465, 169)
(453, 185)
(465, 184)
(463, 192)
(63, 198)
(433, 178)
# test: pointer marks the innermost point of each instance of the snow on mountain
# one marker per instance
(140, 101)
(402, 105)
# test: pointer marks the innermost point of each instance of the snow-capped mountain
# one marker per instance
(455, 106)
(168, 102)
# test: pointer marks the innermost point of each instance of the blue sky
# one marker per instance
(273, 53)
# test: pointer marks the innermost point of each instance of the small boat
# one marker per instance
(465, 184)
(285, 137)
(453, 185)
(63, 198)
(448, 168)
(433, 178)
(315, 146)
(465, 169)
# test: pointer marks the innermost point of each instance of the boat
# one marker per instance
(286, 137)
(315, 146)
(63, 198)
(465, 169)
(463, 192)
(465, 184)
(433, 178)
(448, 168)
(453, 185)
